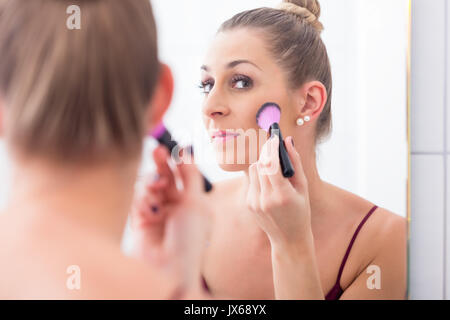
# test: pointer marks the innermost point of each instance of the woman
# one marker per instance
(75, 108)
(276, 238)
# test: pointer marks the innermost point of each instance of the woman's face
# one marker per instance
(238, 77)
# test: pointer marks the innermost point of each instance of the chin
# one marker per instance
(232, 158)
(233, 167)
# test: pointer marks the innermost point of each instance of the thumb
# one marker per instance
(299, 180)
(190, 175)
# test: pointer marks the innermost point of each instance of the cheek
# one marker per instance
(288, 121)
(250, 116)
(243, 113)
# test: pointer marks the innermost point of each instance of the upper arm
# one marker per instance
(388, 266)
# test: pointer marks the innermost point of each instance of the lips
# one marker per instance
(224, 134)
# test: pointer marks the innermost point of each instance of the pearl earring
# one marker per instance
(301, 121)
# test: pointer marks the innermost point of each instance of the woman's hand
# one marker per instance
(283, 211)
(281, 205)
(170, 225)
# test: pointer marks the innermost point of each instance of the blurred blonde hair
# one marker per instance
(77, 94)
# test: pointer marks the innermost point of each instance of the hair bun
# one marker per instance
(308, 10)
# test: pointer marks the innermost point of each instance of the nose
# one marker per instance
(215, 107)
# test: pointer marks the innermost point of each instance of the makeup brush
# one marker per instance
(268, 118)
(164, 137)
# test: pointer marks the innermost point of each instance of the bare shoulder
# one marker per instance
(76, 265)
(387, 233)
(110, 274)
(381, 222)
(390, 224)
(380, 246)
(133, 279)
(381, 241)
(383, 229)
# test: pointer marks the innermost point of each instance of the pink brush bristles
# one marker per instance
(267, 115)
(158, 131)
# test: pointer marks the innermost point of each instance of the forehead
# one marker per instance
(238, 44)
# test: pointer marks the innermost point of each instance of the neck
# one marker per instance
(96, 197)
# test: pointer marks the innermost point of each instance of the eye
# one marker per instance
(206, 86)
(241, 82)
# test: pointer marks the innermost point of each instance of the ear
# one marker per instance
(313, 99)
(162, 97)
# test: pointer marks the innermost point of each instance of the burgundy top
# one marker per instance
(335, 292)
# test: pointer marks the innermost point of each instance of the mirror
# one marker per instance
(337, 223)
(366, 153)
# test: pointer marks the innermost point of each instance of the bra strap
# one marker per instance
(352, 242)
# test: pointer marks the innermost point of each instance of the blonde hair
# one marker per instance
(292, 34)
(77, 94)
(307, 10)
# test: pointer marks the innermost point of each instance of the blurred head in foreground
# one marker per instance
(73, 96)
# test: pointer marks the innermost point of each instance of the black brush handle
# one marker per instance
(286, 165)
(167, 141)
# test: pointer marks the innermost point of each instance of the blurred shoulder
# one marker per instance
(74, 265)
(131, 278)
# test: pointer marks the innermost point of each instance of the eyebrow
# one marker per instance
(233, 64)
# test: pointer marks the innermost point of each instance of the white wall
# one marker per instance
(429, 275)
(367, 44)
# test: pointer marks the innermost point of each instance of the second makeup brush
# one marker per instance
(164, 137)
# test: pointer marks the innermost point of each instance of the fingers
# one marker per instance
(270, 168)
(271, 161)
(147, 207)
(157, 183)
(147, 220)
(190, 175)
(264, 182)
(161, 157)
(299, 181)
(254, 191)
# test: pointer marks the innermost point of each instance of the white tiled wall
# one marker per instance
(427, 231)
(447, 295)
(429, 276)
(428, 85)
(447, 166)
